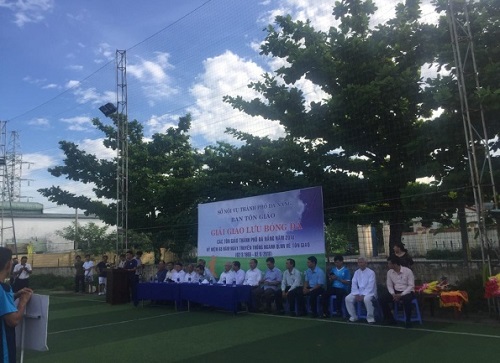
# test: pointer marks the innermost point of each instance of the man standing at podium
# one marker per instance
(131, 266)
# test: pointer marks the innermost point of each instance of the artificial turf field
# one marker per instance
(86, 329)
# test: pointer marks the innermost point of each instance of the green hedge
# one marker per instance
(52, 282)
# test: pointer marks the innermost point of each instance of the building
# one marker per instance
(35, 229)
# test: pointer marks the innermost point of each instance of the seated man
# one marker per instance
(161, 273)
(291, 287)
(238, 273)
(340, 279)
(313, 284)
(202, 276)
(400, 287)
(170, 272)
(363, 288)
(271, 287)
(252, 278)
(227, 276)
(208, 274)
(191, 275)
(178, 274)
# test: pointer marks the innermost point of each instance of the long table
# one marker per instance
(221, 296)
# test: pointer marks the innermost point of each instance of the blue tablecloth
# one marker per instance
(158, 291)
(225, 297)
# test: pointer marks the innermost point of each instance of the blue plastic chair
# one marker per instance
(400, 315)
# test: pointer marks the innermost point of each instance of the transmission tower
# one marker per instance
(6, 183)
(475, 137)
(122, 150)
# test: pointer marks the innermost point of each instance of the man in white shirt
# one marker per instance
(178, 274)
(227, 276)
(88, 267)
(170, 272)
(22, 272)
(252, 278)
(191, 276)
(400, 287)
(238, 273)
(253, 275)
(291, 287)
(363, 289)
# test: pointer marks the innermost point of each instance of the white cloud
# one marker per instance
(37, 161)
(105, 52)
(223, 75)
(75, 67)
(152, 74)
(96, 147)
(160, 124)
(50, 86)
(39, 122)
(28, 11)
(72, 84)
(78, 123)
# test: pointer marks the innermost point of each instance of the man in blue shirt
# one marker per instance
(313, 284)
(10, 315)
(340, 278)
(270, 287)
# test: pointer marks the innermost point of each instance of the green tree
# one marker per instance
(449, 162)
(163, 190)
(369, 124)
(90, 238)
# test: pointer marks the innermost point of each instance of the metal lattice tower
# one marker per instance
(122, 150)
(463, 51)
(6, 183)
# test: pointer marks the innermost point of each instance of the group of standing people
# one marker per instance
(84, 274)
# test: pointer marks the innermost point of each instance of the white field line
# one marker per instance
(115, 323)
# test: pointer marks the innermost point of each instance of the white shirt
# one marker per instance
(403, 281)
(253, 277)
(88, 266)
(292, 279)
(23, 275)
(168, 276)
(227, 277)
(363, 283)
(240, 276)
(191, 275)
(178, 276)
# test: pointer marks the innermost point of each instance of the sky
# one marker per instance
(58, 67)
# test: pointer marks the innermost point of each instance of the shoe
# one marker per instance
(408, 325)
(293, 314)
(352, 320)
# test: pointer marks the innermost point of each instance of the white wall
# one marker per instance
(41, 231)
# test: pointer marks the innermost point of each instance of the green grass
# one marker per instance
(83, 329)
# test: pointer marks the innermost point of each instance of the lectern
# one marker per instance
(117, 289)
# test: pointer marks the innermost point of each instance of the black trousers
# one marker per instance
(79, 283)
(295, 296)
(339, 293)
(20, 284)
(386, 302)
(313, 299)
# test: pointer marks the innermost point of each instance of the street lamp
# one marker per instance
(108, 109)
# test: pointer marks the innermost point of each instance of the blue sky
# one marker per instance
(57, 68)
